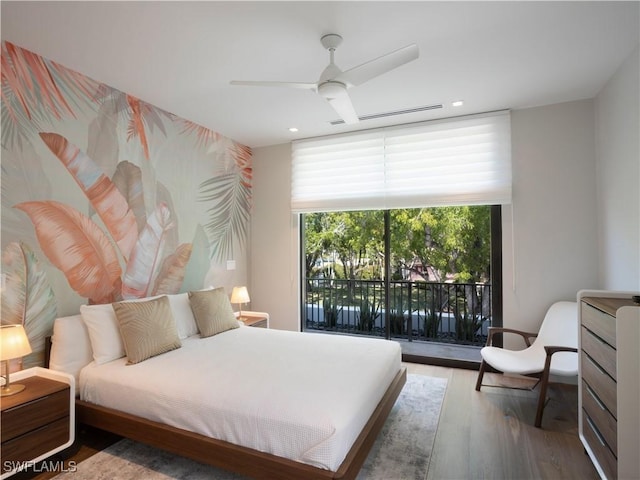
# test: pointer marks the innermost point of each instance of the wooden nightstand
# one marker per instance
(39, 421)
(255, 319)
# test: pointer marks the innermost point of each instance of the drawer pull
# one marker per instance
(598, 367)
(595, 398)
(26, 404)
(596, 432)
(602, 342)
(597, 337)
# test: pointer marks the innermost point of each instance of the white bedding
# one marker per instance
(302, 396)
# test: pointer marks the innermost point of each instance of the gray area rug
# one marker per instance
(402, 451)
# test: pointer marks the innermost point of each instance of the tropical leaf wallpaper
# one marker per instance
(106, 197)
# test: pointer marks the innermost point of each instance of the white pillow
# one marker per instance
(70, 346)
(182, 314)
(102, 326)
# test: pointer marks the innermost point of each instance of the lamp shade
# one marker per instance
(240, 295)
(13, 342)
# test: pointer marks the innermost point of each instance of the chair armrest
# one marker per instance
(553, 349)
(550, 350)
(525, 335)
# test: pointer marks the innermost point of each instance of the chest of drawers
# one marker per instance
(609, 408)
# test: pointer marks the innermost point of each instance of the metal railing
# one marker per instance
(457, 313)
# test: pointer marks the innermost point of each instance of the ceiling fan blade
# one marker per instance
(342, 105)
(373, 68)
(303, 85)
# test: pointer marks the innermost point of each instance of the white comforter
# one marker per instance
(302, 396)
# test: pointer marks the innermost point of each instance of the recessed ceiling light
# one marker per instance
(293, 129)
(457, 103)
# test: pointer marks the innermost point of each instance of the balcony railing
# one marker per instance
(457, 313)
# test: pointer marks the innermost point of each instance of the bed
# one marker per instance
(263, 403)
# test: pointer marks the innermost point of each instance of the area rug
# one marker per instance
(402, 451)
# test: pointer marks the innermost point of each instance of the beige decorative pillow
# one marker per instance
(212, 311)
(147, 328)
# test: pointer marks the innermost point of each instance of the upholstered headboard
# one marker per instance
(47, 350)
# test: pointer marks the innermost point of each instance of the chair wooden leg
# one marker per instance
(480, 375)
(544, 382)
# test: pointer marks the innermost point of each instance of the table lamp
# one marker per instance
(13, 344)
(240, 295)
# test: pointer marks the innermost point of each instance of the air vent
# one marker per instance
(392, 114)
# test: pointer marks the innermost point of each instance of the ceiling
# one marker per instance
(181, 56)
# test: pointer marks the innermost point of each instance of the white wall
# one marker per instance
(550, 249)
(553, 210)
(617, 109)
(274, 272)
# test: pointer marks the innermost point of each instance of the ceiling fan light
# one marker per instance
(330, 90)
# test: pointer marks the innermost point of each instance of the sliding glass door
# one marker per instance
(415, 275)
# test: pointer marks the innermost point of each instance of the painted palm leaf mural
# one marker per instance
(78, 247)
(27, 298)
(36, 91)
(231, 193)
(106, 197)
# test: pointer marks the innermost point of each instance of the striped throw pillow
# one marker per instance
(147, 328)
(212, 311)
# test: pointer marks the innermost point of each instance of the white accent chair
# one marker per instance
(553, 352)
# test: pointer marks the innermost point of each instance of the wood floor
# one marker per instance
(481, 435)
(490, 434)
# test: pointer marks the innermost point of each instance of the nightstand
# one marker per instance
(254, 319)
(39, 421)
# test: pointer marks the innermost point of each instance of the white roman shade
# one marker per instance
(458, 161)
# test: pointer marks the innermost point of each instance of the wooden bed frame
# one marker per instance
(235, 458)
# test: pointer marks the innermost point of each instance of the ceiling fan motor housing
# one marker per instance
(331, 89)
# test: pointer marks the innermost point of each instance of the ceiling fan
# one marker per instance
(333, 82)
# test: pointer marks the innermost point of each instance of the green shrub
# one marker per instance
(331, 313)
(368, 314)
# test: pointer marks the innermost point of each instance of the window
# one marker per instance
(365, 187)
(410, 274)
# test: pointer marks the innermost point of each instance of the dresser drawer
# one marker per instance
(603, 325)
(36, 442)
(603, 353)
(601, 383)
(601, 417)
(28, 416)
(605, 457)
